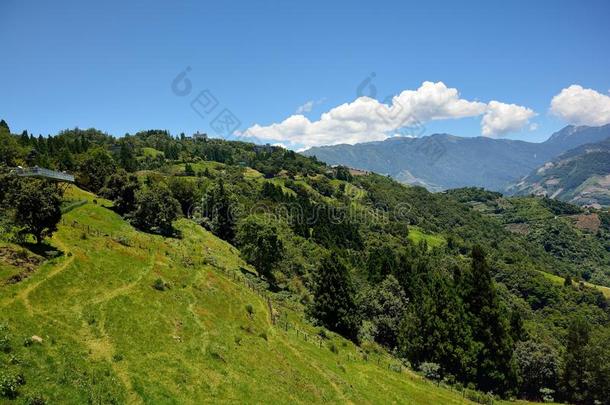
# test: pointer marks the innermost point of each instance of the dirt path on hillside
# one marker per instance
(24, 293)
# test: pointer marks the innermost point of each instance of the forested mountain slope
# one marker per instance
(580, 176)
(447, 289)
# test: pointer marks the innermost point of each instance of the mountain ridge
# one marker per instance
(580, 176)
(443, 161)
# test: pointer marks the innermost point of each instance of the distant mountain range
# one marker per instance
(443, 161)
(580, 176)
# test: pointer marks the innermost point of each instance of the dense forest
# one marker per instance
(449, 282)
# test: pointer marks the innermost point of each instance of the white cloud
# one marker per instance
(501, 118)
(308, 106)
(366, 119)
(581, 106)
(305, 108)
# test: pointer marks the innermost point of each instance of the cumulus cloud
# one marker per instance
(581, 106)
(501, 118)
(366, 119)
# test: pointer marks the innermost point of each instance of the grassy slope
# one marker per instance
(560, 280)
(108, 336)
(416, 235)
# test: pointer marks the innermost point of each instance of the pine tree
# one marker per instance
(496, 371)
(333, 304)
(435, 328)
(4, 126)
(127, 159)
(219, 208)
(574, 379)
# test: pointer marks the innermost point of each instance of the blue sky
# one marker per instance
(111, 64)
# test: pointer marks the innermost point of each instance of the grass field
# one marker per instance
(560, 280)
(416, 236)
(108, 336)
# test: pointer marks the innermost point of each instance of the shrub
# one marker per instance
(238, 340)
(430, 370)
(160, 285)
(547, 394)
(263, 335)
(250, 310)
(5, 344)
(27, 342)
(333, 348)
(8, 386)
(13, 359)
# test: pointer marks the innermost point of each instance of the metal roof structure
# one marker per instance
(42, 173)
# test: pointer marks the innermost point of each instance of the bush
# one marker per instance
(250, 310)
(160, 285)
(547, 394)
(333, 348)
(8, 386)
(263, 335)
(430, 370)
(5, 344)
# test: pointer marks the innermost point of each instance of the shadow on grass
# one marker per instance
(43, 249)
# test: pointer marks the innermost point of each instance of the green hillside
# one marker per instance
(176, 274)
(108, 336)
(577, 239)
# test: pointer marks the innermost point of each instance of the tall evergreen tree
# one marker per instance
(574, 378)
(4, 126)
(496, 369)
(436, 329)
(219, 207)
(333, 304)
(127, 159)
